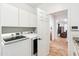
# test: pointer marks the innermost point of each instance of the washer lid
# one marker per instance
(32, 35)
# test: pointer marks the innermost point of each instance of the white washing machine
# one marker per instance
(14, 45)
(33, 42)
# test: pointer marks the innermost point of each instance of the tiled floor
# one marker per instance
(59, 47)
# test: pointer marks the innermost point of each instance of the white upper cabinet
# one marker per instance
(9, 15)
(24, 18)
(33, 20)
(12, 16)
(27, 19)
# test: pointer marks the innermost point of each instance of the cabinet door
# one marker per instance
(27, 19)
(33, 20)
(24, 18)
(20, 48)
(9, 15)
(28, 47)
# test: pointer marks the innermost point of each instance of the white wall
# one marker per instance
(0, 35)
(0, 31)
(52, 25)
(73, 17)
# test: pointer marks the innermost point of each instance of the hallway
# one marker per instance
(59, 47)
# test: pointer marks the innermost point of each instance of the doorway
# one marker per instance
(58, 33)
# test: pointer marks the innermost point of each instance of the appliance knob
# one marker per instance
(39, 39)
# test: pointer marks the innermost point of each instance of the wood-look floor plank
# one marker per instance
(59, 47)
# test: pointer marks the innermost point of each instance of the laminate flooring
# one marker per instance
(59, 47)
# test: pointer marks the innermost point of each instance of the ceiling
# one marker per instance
(63, 12)
(34, 4)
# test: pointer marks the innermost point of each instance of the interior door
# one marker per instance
(43, 32)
